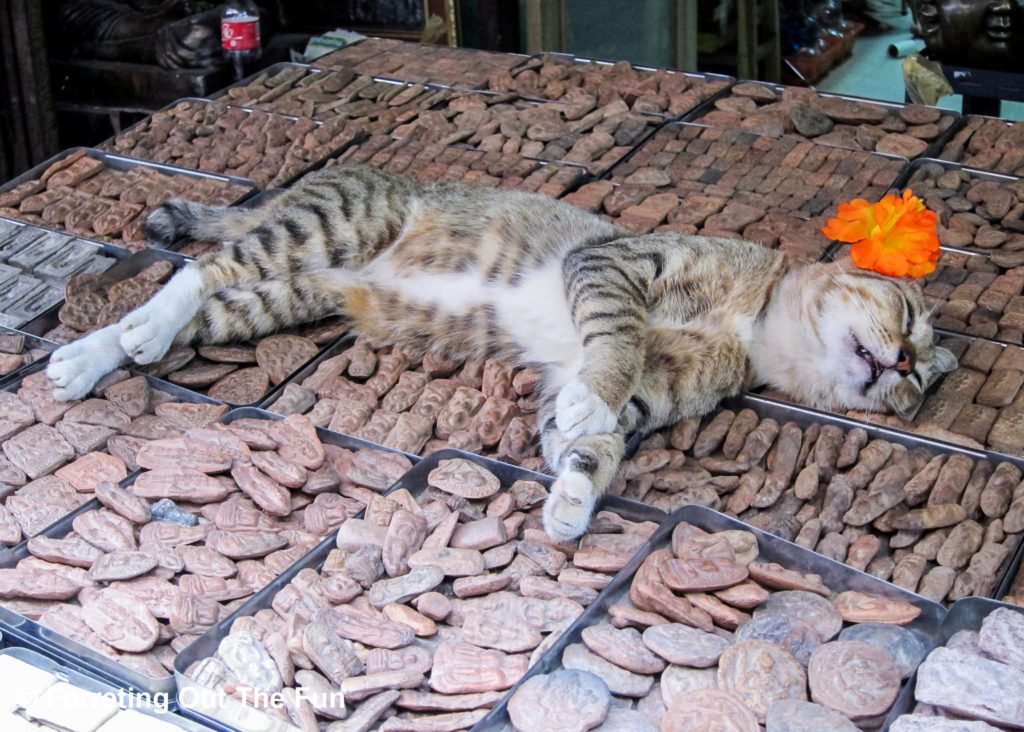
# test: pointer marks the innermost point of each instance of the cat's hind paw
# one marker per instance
(75, 368)
(579, 411)
(569, 506)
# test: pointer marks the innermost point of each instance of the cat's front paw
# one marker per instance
(75, 368)
(579, 411)
(147, 334)
(569, 506)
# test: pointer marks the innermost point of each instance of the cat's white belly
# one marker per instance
(533, 313)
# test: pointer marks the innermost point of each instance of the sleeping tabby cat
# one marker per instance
(630, 333)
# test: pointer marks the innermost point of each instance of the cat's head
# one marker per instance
(865, 341)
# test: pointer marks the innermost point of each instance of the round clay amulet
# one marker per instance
(567, 700)
(793, 634)
(853, 678)
(812, 609)
(760, 673)
(681, 644)
(708, 709)
(907, 647)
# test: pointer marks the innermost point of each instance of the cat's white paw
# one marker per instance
(75, 368)
(569, 506)
(147, 334)
(579, 411)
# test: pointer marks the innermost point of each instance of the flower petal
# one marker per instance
(896, 236)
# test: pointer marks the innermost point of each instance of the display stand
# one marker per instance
(983, 90)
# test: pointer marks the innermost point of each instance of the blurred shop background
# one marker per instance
(74, 72)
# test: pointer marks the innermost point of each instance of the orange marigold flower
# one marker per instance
(896, 236)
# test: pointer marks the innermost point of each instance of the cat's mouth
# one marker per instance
(877, 367)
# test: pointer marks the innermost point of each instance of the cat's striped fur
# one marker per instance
(629, 332)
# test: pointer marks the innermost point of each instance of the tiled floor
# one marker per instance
(872, 72)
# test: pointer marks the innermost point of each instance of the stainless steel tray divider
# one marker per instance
(837, 576)
(330, 350)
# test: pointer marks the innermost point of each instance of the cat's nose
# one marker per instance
(906, 359)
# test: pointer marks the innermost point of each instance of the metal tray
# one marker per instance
(1010, 575)
(967, 117)
(179, 393)
(311, 71)
(32, 342)
(345, 341)
(37, 261)
(228, 714)
(156, 706)
(965, 614)
(669, 127)
(451, 50)
(268, 71)
(594, 167)
(50, 643)
(127, 266)
(316, 164)
(934, 147)
(895, 434)
(783, 411)
(116, 161)
(904, 182)
(580, 60)
(103, 247)
(837, 576)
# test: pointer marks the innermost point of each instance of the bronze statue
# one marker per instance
(974, 34)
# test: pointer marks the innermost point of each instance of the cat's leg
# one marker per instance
(268, 306)
(335, 220)
(584, 467)
(231, 314)
(587, 466)
(148, 331)
(76, 367)
(606, 289)
(684, 372)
